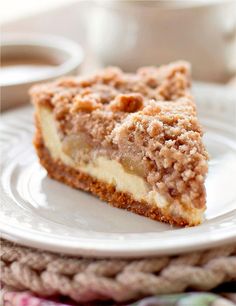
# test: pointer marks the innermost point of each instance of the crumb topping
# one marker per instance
(127, 103)
(146, 120)
(86, 103)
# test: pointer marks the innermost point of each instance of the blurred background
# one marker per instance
(135, 33)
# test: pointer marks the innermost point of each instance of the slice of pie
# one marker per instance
(133, 140)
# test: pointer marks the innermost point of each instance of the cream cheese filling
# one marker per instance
(111, 172)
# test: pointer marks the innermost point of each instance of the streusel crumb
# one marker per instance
(127, 103)
(86, 103)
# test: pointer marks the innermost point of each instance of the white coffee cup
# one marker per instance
(135, 33)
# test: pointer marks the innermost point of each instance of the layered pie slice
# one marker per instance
(133, 140)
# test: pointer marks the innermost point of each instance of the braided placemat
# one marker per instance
(86, 279)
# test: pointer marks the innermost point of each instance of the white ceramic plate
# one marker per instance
(43, 213)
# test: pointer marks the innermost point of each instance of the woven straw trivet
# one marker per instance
(85, 279)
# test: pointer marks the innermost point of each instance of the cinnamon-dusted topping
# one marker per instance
(97, 124)
(110, 75)
(44, 93)
(86, 103)
(68, 82)
(152, 108)
(146, 119)
(127, 103)
(155, 128)
(168, 82)
(164, 83)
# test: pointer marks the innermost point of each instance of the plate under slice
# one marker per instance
(39, 212)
